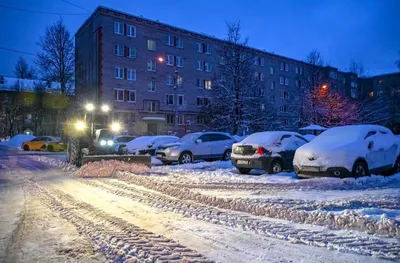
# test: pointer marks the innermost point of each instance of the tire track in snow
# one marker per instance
(365, 246)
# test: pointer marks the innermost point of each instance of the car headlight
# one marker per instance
(103, 142)
(171, 148)
(110, 142)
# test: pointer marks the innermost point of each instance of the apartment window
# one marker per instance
(202, 101)
(151, 106)
(298, 83)
(286, 122)
(262, 107)
(201, 119)
(283, 108)
(119, 50)
(200, 84)
(286, 67)
(170, 40)
(118, 28)
(297, 70)
(119, 73)
(282, 66)
(130, 31)
(284, 95)
(131, 74)
(170, 99)
(179, 81)
(207, 84)
(301, 71)
(333, 74)
(170, 60)
(199, 47)
(261, 92)
(261, 76)
(151, 65)
(272, 84)
(180, 100)
(28, 118)
(132, 52)
(181, 119)
(132, 96)
(207, 67)
(170, 119)
(208, 49)
(179, 62)
(282, 80)
(271, 70)
(286, 81)
(119, 94)
(380, 82)
(179, 43)
(199, 65)
(272, 99)
(371, 94)
(151, 45)
(353, 84)
(262, 62)
(170, 80)
(256, 61)
(151, 87)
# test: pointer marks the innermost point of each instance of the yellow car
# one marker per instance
(49, 143)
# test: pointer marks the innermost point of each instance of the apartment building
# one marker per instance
(133, 64)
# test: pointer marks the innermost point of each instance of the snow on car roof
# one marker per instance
(350, 132)
(313, 127)
(147, 139)
(265, 137)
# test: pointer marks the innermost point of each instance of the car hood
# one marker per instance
(169, 145)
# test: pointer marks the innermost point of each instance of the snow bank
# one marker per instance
(108, 168)
(18, 140)
(349, 220)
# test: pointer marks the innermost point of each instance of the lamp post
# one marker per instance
(176, 99)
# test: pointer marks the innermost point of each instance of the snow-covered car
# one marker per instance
(346, 151)
(148, 144)
(120, 142)
(271, 151)
(197, 146)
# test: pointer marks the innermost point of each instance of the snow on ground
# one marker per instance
(18, 140)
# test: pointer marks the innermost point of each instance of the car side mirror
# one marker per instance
(370, 145)
(198, 141)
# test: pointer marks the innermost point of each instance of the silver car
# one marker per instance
(197, 146)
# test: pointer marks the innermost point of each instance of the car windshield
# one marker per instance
(124, 139)
(189, 137)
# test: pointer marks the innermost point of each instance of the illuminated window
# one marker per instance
(151, 45)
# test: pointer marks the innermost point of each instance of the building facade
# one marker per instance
(158, 77)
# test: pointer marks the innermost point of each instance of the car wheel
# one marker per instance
(244, 170)
(186, 157)
(360, 169)
(275, 167)
(396, 167)
(26, 148)
(50, 148)
(166, 163)
(227, 155)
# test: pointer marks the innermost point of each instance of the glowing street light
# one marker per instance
(89, 107)
(80, 125)
(161, 59)
(115, 127)
(105, 108)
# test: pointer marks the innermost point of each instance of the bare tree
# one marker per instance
(374, 110)
(357, 67)
(11, 108)
(23, 70)
(237, 103)
(56, 60)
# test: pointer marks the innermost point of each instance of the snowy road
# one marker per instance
(195, 213)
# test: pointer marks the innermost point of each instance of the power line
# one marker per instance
(18, 51)
(65, 1)
(42, 12)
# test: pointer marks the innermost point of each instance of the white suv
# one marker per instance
(197, 146)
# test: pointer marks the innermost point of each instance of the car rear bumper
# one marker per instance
(262, 163)
(338, 172)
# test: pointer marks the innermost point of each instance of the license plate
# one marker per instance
(159, 155)
(310, 168)
(242, 162)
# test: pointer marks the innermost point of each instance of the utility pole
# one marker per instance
(176, 85)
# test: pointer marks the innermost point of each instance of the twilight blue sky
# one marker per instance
(365, 30)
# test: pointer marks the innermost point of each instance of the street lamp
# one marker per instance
(115, 127)
(89, 107)
(105, 108)
(80, 125)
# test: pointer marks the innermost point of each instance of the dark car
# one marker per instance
(270, 151)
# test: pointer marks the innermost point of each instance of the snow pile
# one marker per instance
(66, 167)
(349, 220)
(108, 168)
(18, 140)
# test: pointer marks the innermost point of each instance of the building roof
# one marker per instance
(27, 85)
